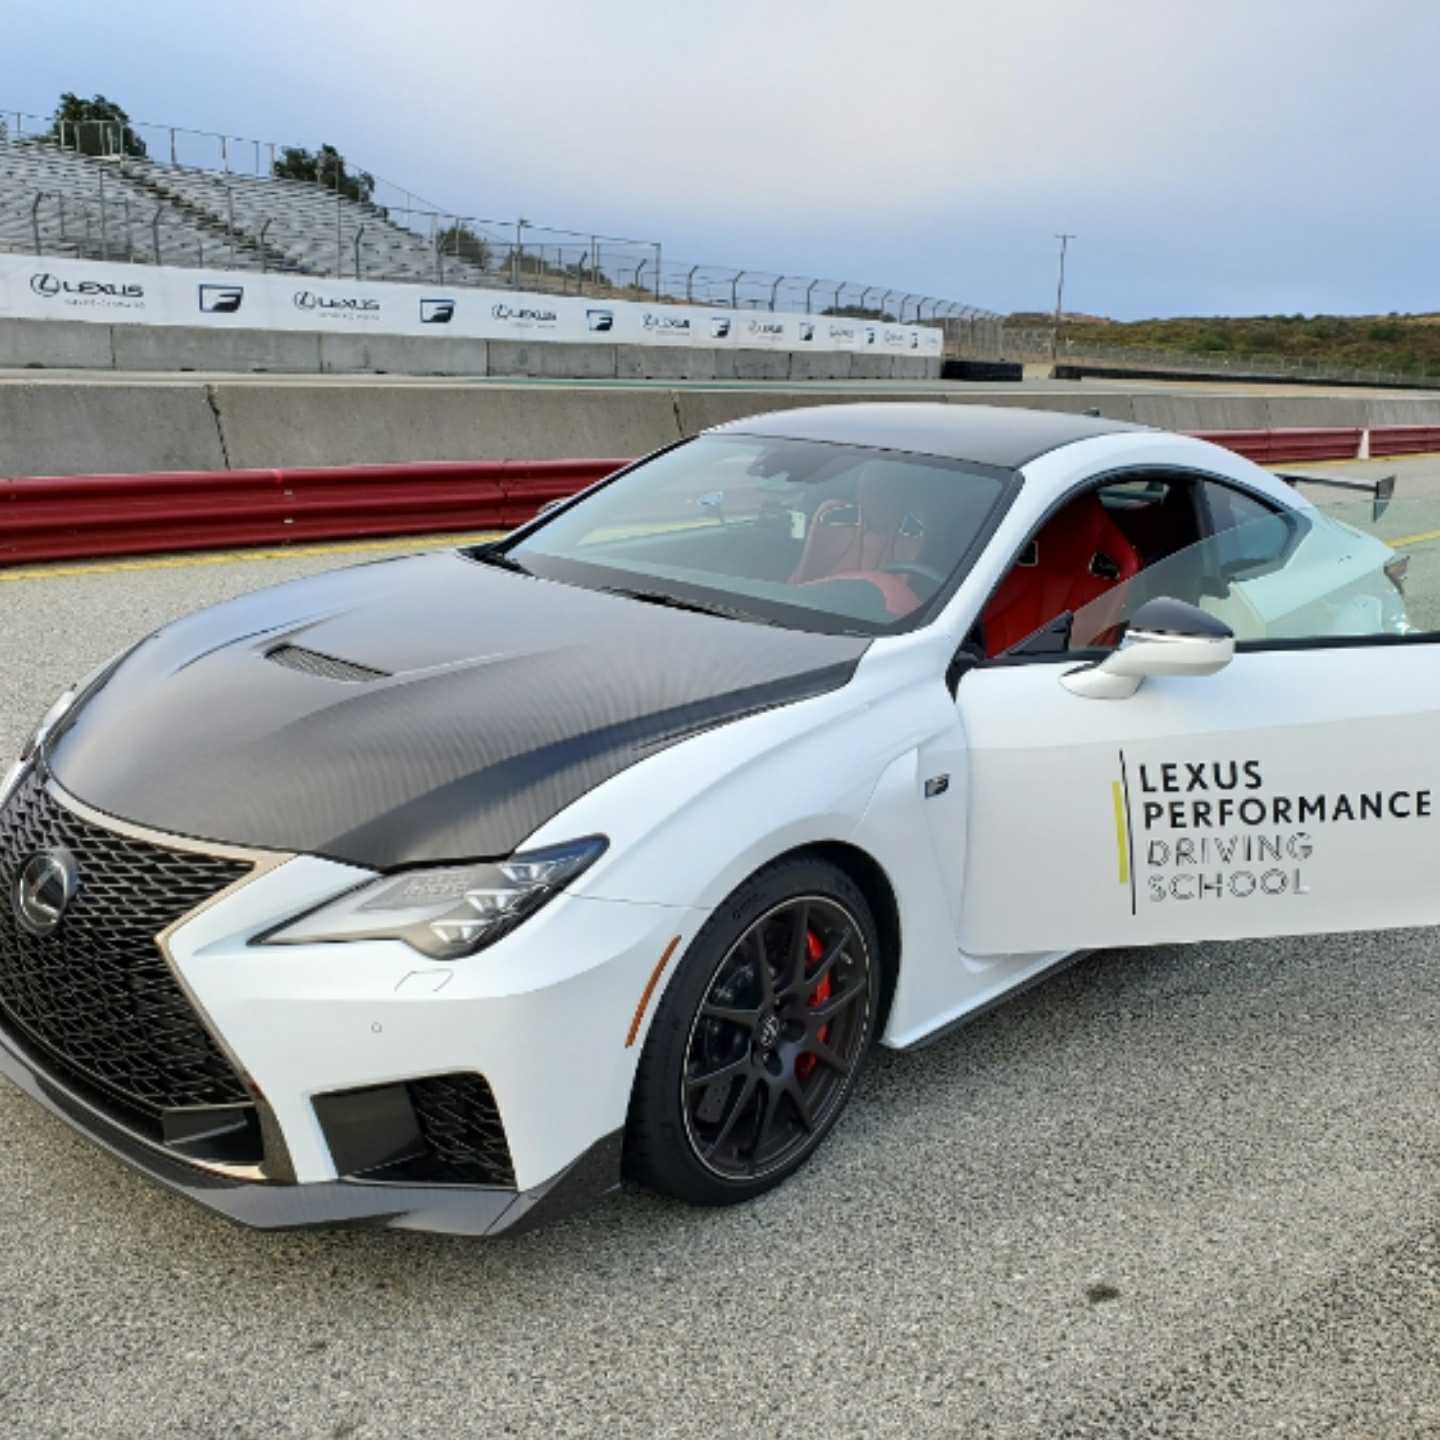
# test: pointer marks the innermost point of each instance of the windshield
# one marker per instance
(791, 532)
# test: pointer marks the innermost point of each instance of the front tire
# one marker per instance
(759, 1038)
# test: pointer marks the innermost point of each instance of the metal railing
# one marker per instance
(126, 230)
(395, 234)
(180, 146)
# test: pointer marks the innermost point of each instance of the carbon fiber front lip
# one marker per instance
(270, 1205)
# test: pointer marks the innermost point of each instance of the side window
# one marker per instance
(1283, 574)
(1097, 541)
(1134, 491)
(1230, 508)
(1248, 533)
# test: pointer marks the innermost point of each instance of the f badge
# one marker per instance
(44, 890)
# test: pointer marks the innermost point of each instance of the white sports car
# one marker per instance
(442, 892)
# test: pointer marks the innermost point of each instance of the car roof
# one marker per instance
(1005, 435)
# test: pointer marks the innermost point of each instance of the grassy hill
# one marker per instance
(1404, 343)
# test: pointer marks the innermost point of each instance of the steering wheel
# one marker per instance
(920, 572)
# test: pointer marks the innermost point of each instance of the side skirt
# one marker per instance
(949, 1027)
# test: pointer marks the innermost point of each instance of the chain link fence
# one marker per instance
(171, 195)
(160, 194)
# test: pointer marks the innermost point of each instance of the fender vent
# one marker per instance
(461, 1124)
(439, 1130)
(325, 667)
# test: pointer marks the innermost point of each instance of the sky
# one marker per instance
(1210, 156)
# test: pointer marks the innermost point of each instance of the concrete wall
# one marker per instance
(101, 429)
(81, 345)
(168, 348)
(59, 344)
(264, 425)
(59, 427)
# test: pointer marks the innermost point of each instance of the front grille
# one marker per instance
(325, 667)
(461, 1125)
(97, 998)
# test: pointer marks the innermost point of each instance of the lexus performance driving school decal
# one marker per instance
(1218, 832)
(437, 312)
(221, 299)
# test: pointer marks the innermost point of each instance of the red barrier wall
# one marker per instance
(78, 516)
(1272, 447)
(1404, 439)
(82, 516)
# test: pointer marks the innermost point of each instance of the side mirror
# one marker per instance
(1165, 637)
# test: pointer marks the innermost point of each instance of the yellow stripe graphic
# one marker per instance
(1122, 848)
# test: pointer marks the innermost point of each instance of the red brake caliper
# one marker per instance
(805, 1064)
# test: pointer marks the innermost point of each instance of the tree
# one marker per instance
(94, 127)
(462, 242)
(325, 167)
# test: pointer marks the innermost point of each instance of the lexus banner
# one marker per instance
(42, 288)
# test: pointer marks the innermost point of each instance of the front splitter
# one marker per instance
(273, 1205)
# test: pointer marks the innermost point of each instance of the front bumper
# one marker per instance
(270, 1205)
(544, 1020)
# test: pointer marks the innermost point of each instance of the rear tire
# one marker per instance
(757, 1041)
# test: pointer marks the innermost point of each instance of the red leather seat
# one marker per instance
(1079, 555)
(859, 545)
(867, 538)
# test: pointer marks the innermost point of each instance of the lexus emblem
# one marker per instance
(44, 890)
(769, 1034)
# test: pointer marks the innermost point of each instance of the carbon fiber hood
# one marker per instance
(469, 705)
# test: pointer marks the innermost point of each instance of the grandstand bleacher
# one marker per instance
(56, 200)
(122, 208)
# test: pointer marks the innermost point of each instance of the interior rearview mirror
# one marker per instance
(1165, 637)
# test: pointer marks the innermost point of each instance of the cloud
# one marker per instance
(1209, 153)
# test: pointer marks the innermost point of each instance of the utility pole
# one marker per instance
(1059, 297)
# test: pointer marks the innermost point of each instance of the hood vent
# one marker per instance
(326, 667)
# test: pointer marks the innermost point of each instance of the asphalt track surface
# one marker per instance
(1187, 1192)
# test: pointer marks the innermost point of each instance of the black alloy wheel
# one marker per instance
(759, 1037)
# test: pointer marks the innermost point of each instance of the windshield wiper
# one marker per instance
(674, 602)
(498, 558)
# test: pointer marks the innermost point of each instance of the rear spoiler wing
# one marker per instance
(1382, 490)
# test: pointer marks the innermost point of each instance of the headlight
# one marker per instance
(445, 913)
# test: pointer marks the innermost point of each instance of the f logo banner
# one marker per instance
(221, 299)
